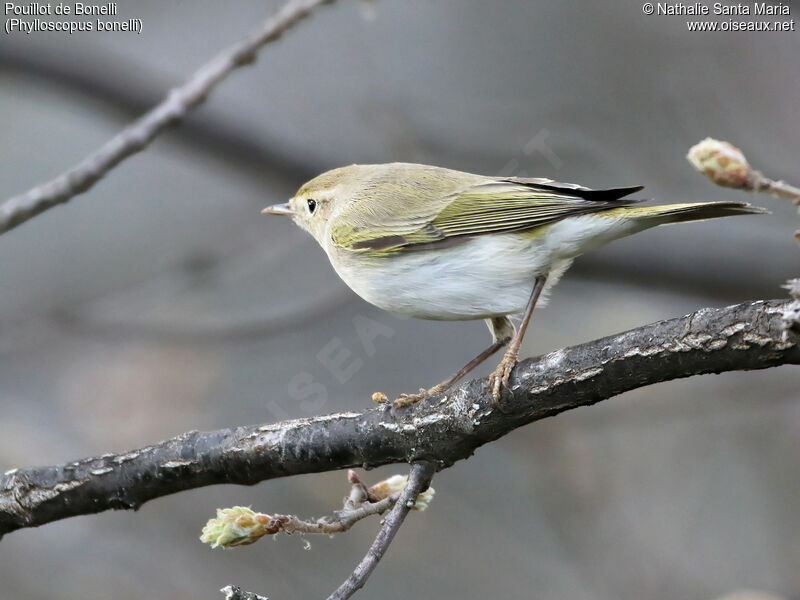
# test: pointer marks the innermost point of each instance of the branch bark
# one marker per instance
(137, 136)
(234, 592)
(746, 336)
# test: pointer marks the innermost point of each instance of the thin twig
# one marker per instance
(781, 189)
(241, 526)
(138, 135)
(418, 480)
(339, 524)
(752, 335)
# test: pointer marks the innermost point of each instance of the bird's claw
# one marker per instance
(407, 399)
(498, 380)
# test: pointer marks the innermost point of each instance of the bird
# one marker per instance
(436, 243)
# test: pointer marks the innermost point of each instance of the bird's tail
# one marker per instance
(608, 225)
(650, 216)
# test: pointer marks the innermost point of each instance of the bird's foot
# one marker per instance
(408, 399)
(498, 380)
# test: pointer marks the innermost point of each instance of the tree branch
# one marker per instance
(753, 335)
(241, 525)
(234, 592)
(141, 132)
(418, 480)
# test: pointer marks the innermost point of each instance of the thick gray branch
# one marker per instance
(740, 337)
(141, 132)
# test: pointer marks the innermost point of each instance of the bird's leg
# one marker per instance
(406, 399)
(499, 377)
(502, 331)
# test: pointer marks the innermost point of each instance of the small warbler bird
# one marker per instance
(435, 243)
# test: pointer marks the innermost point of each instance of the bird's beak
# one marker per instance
(278, 209)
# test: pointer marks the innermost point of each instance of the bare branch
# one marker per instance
(752, 335)
(780, 189)
(418, 480)
(141, 132)
(340, 523)
(241, 525)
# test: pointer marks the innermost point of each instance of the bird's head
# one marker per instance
(312, 207)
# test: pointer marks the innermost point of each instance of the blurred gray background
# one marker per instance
(161, 301)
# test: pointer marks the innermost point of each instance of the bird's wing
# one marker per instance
(490, 206)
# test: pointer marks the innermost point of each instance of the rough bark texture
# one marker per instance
(234, 592)
(740, 337)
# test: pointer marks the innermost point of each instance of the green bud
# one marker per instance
(236, 526)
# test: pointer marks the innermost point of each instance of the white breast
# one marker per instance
(485, 276)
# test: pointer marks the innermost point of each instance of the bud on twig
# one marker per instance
(236, 526)
(239, 525)
(397, 483)
(724, 164)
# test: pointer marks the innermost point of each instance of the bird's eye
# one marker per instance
(312, 205)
